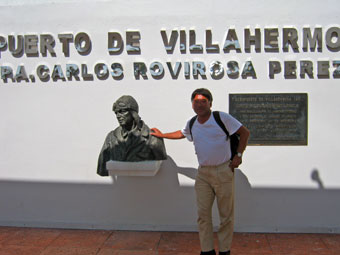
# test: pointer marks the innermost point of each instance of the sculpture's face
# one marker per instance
(124, 117)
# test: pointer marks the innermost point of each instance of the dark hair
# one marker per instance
(203, 92)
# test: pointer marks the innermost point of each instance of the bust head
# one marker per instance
(126, 110)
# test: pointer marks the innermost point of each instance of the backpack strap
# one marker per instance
(234, 139)
(217, 118)
(191, 123)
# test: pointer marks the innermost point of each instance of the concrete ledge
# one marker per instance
(141, 168)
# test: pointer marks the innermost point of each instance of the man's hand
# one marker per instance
(156, 132)
(235, 162)
(244, 136)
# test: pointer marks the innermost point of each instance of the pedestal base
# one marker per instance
(141, 168)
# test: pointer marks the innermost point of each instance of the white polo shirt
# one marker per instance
(209, 139)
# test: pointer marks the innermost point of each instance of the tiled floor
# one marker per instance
(34, 241)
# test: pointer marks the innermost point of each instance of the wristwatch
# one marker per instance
(239, 154)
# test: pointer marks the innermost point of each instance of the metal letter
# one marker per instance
(117, 71)
(72, 70)
(290, 70)
(323, 69)
(248, 70)
(183, 41)
(57, 73)
(187, 70)
(19, 50)
(231, 42)
(6, 73)
(43, 73)
(86, 76)
(139, 69)
(133, 42)
(210, 48)
(65, 39)
(157, 70)
(31, 45)
(193, 47)
(290, 37)
(216, 70)
(83, 43)
(115, 43)
(198, 68)
(274, 68)
(312, 40)
(3, 42)
(271, 43)
(332, 39)
(306, 67)
(233, 70)
(169, 44)
(336, 73)
(21, 74)
(47, 43)
(174, 72)
(252, 39)
(102, 71)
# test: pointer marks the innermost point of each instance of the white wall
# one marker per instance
(51, 132)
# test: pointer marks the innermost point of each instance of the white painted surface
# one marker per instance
(51, 133)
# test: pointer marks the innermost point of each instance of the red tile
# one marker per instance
(132, 240)
(332, 241)
(110, 251)
(81, 238)
(69, 251)
(7, 233)
(32, 237)
(20, 250)
(302, 252)
(177, 253)
(185, 242)
(250, 243)
(127, 252)
(30, 241)
(299, 243)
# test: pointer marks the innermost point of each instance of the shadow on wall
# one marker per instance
(160, 203)
(139, 203)
(286, 209)
(316, 177)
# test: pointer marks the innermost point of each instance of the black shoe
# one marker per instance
(224, 253)
(212, 252)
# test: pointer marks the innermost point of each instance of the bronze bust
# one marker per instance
(131, 141)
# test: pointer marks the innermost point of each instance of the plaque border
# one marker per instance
(272, 142)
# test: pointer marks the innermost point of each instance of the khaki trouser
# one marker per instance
(211, 182)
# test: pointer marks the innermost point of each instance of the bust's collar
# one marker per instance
(140, 129)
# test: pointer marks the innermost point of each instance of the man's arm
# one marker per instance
(244, 136)
(173, 135)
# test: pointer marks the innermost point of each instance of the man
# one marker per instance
(131, 141)
(215, 176)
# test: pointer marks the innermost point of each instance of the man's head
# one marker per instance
(126, 110)
(203, 92)
(201, 101)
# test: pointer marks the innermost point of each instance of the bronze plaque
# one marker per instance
(273, 119)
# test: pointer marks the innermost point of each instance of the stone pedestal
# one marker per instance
(141, 168)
